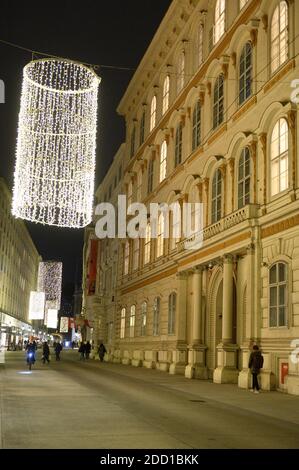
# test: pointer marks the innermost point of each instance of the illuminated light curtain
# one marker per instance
(52, 318)
(36, 305)
(49, 282)
(56, 146)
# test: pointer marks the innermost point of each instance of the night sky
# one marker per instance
(99, 32)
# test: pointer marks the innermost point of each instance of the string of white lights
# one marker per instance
(50, 282)
(55, 161)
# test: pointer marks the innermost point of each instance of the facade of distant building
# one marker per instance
(209, 118)
(100, 264)
(19, 261)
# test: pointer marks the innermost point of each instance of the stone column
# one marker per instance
(179, 355)
(196, 367)
(226, 371)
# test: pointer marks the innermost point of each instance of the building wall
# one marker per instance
(222, 289)
(19, 262)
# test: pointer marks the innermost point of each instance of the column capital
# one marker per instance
(182, 275)
(228, 259)
(197, 270)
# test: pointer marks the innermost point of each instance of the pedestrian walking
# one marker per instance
(46, 353)
(256, 362)
(87, 349)
(102, 351)
(82, 351)
(58, 349)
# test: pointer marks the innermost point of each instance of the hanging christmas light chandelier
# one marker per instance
(56, 146)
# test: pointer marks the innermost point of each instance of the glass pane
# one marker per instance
(282, 272)
(273, 317)
(273, 277)
(282, 295)
(273, 296)
(282, 317)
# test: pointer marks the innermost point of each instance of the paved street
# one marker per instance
(71, 404)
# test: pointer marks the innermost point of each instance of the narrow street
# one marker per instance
(71, 404)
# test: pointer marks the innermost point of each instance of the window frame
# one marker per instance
(282, 155)
(196, 126)
(163, 161)
(181, 72)
(178, 149)
(156, 316)
(219, 21)
(132, 321)
(172, 309)
(143, 315)
(147, 244)
(153, 116)
(279, 38)
(277, 285)
(246, 74)
(218, 102)
(245, 152)
(217, 198)
(122, 334)
(166, 93)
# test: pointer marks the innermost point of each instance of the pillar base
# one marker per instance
(226, 372)
(177, 368)
(225, 375)
(245, 379)
(267, 380)
(126, 361)
(196, 371)
(163, 366)
(178, 364)
(150, 359)
(293, 384)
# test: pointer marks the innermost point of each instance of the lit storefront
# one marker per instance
(13, 332)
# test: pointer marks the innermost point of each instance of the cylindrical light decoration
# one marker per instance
(56, 147)
(49, 282)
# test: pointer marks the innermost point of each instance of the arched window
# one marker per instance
(244, 178)
(280, 157)
(216, 197)
(165, 102)
(126, 257)
(161, 235)
(171, 313)
(218, 105)
(181, 72)
(195, 210)
(196, 126)
(150, 177)
(156, 316)
(279, 36)
(178, 145)
(142, 129)
(132, 321)
(136, 249)
(153, 113)
(175, 225)
(133, 139)
(278, 295)
(245, 71)
(143, 319)
(163, 161)
(123, 323)
(147, 244)
(200, 45)
(219, 28)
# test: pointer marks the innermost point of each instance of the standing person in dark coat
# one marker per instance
(256, 362)
(82, 350)
(46, 352)
(58, 349)
(102, 352)
(87, 349)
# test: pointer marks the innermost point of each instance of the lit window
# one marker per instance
(244, 179)
(150, 177)
(178, 145)
(278, 295)
(196, 126)
(161, 235)
(165, 102)
(142, 129)
(143, 318)
(200, 45)
(133, 137)
(136, 249)
(280, 157)
(218, 106)
(147, 244)
(126, 258)
(219, 20)
(245, 79)
(216, 197)
(279, 36)
(123, 323)
(171, 313)
(153, 113)
(181, 72)
(132, 321)
(156, 316)
(163, 161)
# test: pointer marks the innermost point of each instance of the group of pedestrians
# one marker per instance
(46, 351)
(85, 349)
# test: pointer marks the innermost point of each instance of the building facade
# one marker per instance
(19, 261)
(100, 266)
(212, 117)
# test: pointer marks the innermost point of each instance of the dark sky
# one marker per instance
(100, 32)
